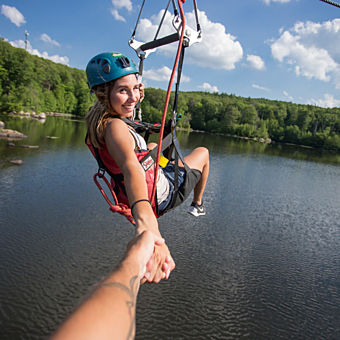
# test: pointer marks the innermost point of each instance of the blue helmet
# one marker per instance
(106, 67)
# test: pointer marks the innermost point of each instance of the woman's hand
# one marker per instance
(141, 249)
(160, 264)
(141, 91)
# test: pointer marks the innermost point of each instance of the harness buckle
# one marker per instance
(101, 172)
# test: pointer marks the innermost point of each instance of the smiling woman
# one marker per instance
(121, 151)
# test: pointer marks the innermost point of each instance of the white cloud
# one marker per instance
(120, 4)
(256, 62)
(117, 16)
(209, 88)
(313, 49)
(127, 4)
(259, 87)
(287, 95)
(162, 74)
(46, 38)
(218, 49)
(55, 58)
(267, 2)
(13, 15)
(327, 101)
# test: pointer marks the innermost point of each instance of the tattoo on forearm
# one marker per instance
(131, 303)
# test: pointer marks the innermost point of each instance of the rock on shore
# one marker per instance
(41, 115)
(7, 133)
(16, 161)
(10, 134)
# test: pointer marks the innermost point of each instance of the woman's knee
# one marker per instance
(203, 152)
(198, 158)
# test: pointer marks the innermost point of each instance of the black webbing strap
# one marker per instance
(179, 74)
(141, 127)
(118, 178)
(178, 151)
(176, 178)
(167, 141)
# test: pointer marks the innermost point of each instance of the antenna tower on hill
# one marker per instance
(26, 39)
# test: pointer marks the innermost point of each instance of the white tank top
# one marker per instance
(139, 140)
(163, 187)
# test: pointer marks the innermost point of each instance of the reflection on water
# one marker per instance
(263, 264)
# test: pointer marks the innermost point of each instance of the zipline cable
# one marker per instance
(196, 15)
(161, 23)
(331, 3)
(175, 8)
(139, 15)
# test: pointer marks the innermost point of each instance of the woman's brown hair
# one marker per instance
(99, 114)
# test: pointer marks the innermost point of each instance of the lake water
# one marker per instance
(264, 263)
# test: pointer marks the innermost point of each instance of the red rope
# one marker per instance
(120, 208)
(168, 98)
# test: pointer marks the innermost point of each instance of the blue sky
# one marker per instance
(276, 49)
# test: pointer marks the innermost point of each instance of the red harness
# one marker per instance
(108, 164)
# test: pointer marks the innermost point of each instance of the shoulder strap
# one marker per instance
(141, 127)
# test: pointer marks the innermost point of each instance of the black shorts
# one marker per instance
(187, 181)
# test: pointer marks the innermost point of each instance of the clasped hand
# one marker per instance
(160, 265)
(154, 257)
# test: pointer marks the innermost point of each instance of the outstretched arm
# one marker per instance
(121, 147)
(109, 313)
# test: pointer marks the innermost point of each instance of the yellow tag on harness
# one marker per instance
(163, 161)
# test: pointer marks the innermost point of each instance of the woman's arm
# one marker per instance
(121, 145)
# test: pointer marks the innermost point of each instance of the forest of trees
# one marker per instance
(228, 114)
(30, 83)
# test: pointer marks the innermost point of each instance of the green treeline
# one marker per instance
(31, 83)
(261, 118)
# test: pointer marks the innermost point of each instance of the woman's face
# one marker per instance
(124, 95)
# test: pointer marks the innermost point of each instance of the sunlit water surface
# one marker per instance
(264, 263)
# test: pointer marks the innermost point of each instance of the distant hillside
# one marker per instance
(31, 83)
(255, 118)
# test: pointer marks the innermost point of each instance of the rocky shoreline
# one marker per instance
(13, 135)
(39, 116)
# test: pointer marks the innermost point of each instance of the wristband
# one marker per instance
(142, 200)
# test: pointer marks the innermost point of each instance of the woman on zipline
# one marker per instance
(113, 78)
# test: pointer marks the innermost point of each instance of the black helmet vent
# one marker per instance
(124, 61)
(106, 67)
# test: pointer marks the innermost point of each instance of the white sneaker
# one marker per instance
(196, 210)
